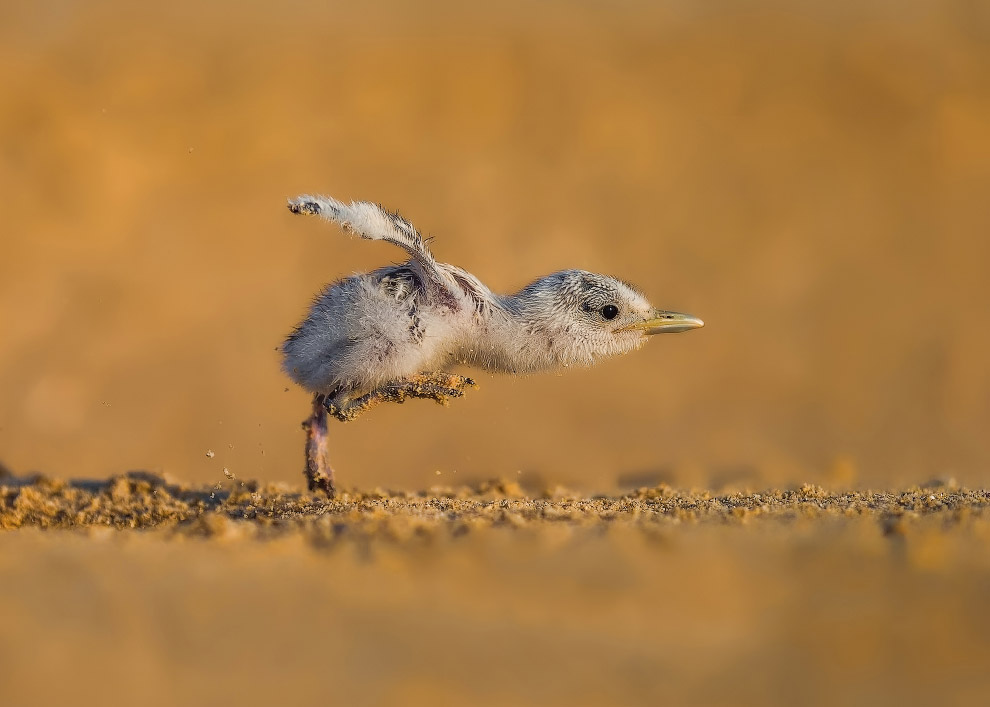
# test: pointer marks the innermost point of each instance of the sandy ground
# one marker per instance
(152, 591)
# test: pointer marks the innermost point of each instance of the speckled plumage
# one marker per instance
(373, 328)
(396, 332)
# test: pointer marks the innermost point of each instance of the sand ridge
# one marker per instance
(146, 501)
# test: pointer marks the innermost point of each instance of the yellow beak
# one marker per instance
(665, 323)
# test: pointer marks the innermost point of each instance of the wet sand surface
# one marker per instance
(153, 591)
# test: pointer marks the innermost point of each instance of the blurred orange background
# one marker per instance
(810, 178)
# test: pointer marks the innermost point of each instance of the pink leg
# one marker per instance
(319, 473)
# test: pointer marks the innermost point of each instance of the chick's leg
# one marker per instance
(319, 473)
(437, 386)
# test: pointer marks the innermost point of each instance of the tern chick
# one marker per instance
(396, 332)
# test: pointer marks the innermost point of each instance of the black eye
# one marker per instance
(610, 311)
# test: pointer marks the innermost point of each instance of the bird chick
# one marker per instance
(397, 331)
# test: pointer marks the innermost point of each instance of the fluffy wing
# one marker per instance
(367, 220)
(372, 222)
